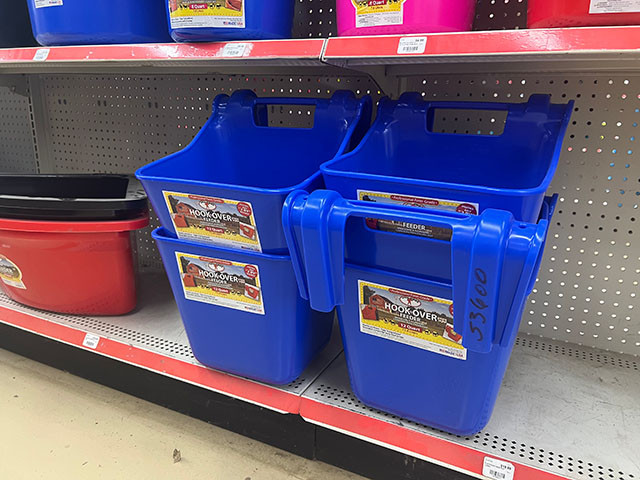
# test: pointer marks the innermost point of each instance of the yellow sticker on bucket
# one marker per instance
(213, 220)
(10, 273)
(221, 282)
(411, 318)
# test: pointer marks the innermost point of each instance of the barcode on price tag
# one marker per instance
(409, 45)
(497, 469)
(91, 341)
(41, 54)
(235, 49)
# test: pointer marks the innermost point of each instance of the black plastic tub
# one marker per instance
(71, 197)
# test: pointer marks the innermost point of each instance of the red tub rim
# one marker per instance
(74, 227)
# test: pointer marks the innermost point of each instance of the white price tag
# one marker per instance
(497, 469)
(91, 341)
(48, 3)
(412, 45)
(41, 54)
(614, 6)
(235, 49)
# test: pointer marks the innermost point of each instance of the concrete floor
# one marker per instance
(57, 426)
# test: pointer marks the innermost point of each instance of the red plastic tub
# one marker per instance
(580, 13)
(70, 267)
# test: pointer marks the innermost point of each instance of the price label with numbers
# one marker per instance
(41, 54)
(497, 469)
(412, 45)
(236, 50)
(91, 341)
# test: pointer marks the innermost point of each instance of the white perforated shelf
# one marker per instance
(561, 409)
(155, 326)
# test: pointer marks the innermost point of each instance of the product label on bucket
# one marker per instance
(10, 274)
(221, 282)
(411, 318)
(216, 221)
(614, 6)
(48, 3)
(211, 14)
(376, 13)
(415, 229)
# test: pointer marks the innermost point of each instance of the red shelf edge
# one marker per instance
(429, 448)
(515, 42)
(236, 387)
(265, 49)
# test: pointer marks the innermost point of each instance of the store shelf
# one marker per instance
(153, 338)
(294, 52)
(562, 412)
(614, 44)
(617, 46)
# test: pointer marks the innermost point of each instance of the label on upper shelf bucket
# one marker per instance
(614, 6)
(48, 3)
(497, 469)
(10, 273)
(411, 318)
(221, 282)
(212, 220)
(409, 228)
(377, 13)
(212, 14)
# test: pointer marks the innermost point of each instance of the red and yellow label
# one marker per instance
(213, 220)
(411, 318)
(221, 282)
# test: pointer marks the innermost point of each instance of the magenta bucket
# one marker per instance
(387, 17)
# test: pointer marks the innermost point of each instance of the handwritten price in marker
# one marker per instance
(477, 318)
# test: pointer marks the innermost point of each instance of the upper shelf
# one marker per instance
(176, 55)
(610, 47)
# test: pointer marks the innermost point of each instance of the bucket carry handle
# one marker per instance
(533, 114)
(314, 227)
(342, 111)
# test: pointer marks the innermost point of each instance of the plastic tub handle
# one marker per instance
(315, 227)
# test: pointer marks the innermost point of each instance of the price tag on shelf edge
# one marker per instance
(91, 341)
(236, 49)
(41, 54)
(412, 45)
(497, 469)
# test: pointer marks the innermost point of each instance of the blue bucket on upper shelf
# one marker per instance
(228, 186)
(419, 153)
(408, 350)
(207, 21)
(97, 22)
(242, 311)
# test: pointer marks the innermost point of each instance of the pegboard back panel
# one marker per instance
(317, 18)
(17, 153)
(587, 291)
(118, 123)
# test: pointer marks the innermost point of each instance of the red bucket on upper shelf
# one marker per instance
(582, 13)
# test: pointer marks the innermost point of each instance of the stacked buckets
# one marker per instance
(416, 219)
(220, 203)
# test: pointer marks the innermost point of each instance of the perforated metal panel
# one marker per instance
(500, 14)
(118, 123)
(587, 292)
(16, 135)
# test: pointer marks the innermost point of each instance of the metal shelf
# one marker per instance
(291, 52)
(153, 337)
(563, 411)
